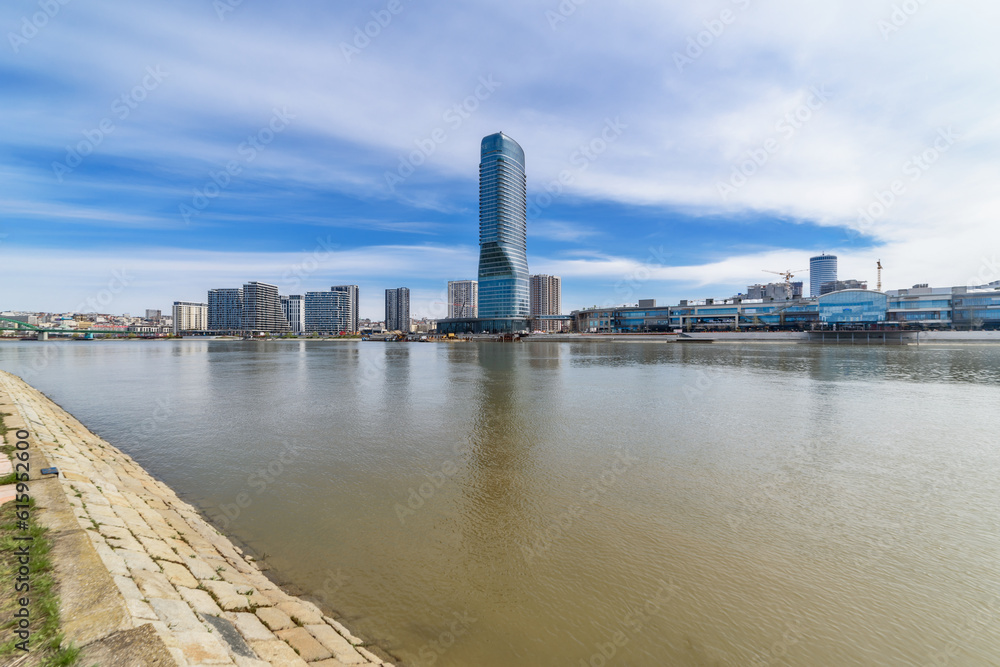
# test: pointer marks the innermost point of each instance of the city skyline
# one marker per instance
(164, 171)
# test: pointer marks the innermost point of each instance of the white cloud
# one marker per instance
(135, 279)
(890, 94)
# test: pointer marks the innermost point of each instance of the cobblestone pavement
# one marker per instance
(208, 603)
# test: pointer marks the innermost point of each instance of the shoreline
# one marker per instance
(141, 572)
(913, 337)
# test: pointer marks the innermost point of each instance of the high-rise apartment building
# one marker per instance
(326, 312)
(546, 299)
(463, 298)
(546, 295)
(190, 316)
(293, 307)
(225, 309)
(822, 269)
(397, 309)
(503, 231)
(262, 309)
(352, 300)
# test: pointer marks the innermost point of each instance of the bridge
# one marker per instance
(42, 333)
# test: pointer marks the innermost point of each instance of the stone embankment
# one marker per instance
(142, 578)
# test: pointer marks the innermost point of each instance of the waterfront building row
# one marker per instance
(920, 307)
(258, 308)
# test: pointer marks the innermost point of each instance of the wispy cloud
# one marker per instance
(889, 99)
(159, 276)
(559, 230)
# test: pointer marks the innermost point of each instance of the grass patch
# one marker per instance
(4, 447)
(46, 643)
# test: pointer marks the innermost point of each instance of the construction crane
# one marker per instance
(879, 264)
(788, 280)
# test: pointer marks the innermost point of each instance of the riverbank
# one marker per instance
(142, 578)
(919, 337)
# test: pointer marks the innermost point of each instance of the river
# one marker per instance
(488, 505)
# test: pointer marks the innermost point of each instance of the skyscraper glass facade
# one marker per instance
(326, 312)
(852, 307)
(822, 269)
(503, 230)
(225, 309)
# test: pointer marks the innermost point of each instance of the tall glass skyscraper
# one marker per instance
(822, 269)
(503, 229)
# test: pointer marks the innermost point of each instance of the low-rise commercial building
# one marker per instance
(976, 307)
(920, 306)
(854, 307)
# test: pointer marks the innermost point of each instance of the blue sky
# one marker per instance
(697, 144)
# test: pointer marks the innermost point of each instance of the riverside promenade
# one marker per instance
(142, 579)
